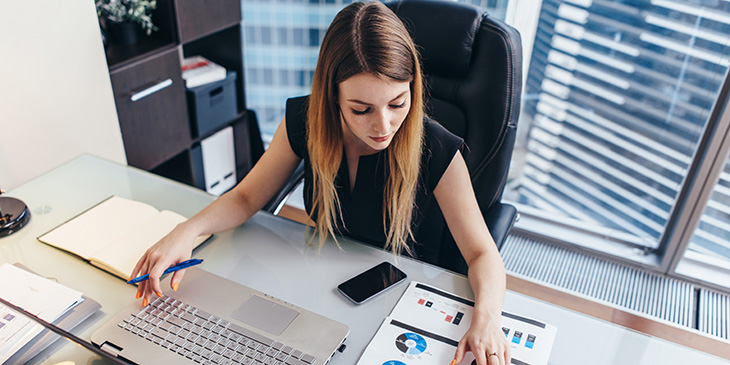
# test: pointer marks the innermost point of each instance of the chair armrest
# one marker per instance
(273, 205)
(500, 218)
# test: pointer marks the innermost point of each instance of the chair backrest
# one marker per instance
(473, 68)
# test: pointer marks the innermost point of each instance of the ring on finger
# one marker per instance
(493, 354)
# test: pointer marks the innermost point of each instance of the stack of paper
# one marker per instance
(44, 298)
(198, 70)
(427, 323)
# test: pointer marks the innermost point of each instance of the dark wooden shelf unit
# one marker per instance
(156, 128)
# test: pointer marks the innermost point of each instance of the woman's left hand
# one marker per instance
(487, 342)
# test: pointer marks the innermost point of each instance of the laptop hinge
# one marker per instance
(110, 348)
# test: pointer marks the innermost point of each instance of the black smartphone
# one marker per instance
(371, 282)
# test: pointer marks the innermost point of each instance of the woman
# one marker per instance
(373, 163)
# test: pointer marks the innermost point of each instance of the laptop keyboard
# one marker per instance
(207, 339)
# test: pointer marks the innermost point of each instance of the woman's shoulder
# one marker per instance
(297, 103)
(296, 129)
(438, 137)
(296, 108)
(440, 147)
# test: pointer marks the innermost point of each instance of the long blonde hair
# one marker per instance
(365, 37)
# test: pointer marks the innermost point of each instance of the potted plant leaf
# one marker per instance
(125, 20)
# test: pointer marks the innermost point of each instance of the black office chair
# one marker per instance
(473, 68)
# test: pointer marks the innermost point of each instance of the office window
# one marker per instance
(298, 34)
(314, 37)
(250, 34)
(616, 98)
(283, 36)
(300, 78)
(712, 237)
(710, 243)
(705, 256)
(268, 76)
(252, 76)
(266, 35)
(284, 77)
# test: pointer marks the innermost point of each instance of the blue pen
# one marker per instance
(182, 265)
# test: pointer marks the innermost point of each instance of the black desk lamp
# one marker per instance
(14, 215)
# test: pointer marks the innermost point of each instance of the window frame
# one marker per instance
(708, 163)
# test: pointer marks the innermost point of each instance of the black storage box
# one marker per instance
(212, 105)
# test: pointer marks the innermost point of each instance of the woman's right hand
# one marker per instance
(228, 211)
(175, 247)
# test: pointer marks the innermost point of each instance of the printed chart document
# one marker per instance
(46, 299)
(114, 234)
(427, 323)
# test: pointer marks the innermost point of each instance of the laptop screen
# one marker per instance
(62, 333)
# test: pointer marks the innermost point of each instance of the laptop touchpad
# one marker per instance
(265, 315)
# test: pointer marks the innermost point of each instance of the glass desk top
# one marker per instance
(270, 254)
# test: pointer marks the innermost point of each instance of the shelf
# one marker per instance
(238, 118)
(119, 55)
(177, 168)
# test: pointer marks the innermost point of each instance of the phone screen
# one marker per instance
(371, 282)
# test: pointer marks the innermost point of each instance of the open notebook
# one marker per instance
(114, 234)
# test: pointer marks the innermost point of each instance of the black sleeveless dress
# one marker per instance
(362, 208)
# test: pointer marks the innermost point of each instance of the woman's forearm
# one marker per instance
(227, 212)
(488, 282)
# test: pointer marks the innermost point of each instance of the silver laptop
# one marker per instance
(212, 320)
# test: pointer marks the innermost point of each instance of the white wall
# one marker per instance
(56, 99)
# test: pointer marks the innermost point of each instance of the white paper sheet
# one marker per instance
(219, 161)
(44, 298)
(15, 331)
(427, 323)
(398, 343)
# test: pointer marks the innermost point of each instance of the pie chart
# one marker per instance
(410, 343)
